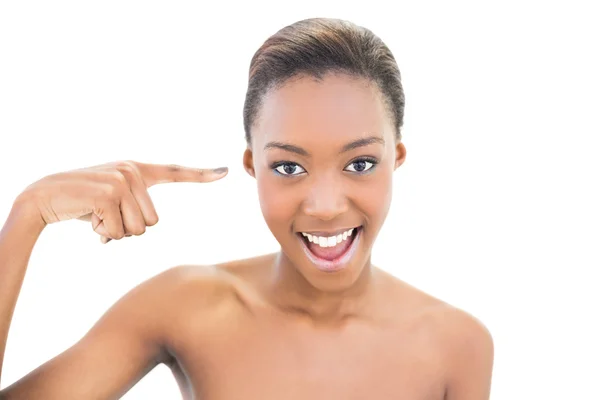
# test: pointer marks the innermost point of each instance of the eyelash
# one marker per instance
(370, 160)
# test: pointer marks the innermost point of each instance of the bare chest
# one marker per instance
(271, 361)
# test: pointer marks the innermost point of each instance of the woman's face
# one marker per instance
(323, 154)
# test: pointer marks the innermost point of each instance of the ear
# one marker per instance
(249, 162)
(400, 154)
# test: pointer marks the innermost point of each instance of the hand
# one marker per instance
(113, 196)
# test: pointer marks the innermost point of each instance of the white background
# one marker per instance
(496, 209)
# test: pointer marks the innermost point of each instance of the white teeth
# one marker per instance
(330, 241)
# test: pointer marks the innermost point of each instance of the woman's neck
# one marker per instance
(291, 292)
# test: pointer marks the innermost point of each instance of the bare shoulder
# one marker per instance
(167, 300)
(204, 299)
(203, 290)
(464, 344)
(461, 329)
(463, 337)
(468, 349)
(453, 324)
(137, 333)
(202, 282)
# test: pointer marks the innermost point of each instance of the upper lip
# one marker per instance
(329, 233)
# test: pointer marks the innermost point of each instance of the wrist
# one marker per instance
(25, 210)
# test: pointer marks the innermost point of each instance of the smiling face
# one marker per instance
(323, 154)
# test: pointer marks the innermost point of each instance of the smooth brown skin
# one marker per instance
(270, 327)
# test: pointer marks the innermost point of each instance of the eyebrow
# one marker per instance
(347, 147)
(362, 142)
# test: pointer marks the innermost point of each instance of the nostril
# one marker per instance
(325, 209)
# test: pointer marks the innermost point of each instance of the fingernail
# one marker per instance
(220, 170)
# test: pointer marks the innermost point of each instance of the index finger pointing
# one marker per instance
(154, 174)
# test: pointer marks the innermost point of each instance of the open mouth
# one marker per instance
(331, 253)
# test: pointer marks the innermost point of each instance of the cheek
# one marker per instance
(277, 203)
(374, 196)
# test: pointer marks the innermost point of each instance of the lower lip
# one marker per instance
(337, 264)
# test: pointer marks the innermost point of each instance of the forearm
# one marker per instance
(17, 239)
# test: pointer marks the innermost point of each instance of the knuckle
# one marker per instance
(118, 178)
(174, 167)
(118, 232)
(152, 220)
(126, 167)
(112, 191)
(113, 177)
(116, 185)
(119, 235)
(139, 230)
(136, 227)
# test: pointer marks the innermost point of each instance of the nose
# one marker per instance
(326, 199)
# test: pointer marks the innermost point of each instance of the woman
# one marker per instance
(317, 320)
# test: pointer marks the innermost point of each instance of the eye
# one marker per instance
(288, 168)
(361, 165)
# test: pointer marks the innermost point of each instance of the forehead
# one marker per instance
(336, 109)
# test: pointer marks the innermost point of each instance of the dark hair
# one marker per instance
(317, 46)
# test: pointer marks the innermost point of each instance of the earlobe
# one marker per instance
(400, 154)
(249, 162)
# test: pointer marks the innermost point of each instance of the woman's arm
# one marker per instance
(123, 346)
(128, 341)
(17, 238)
